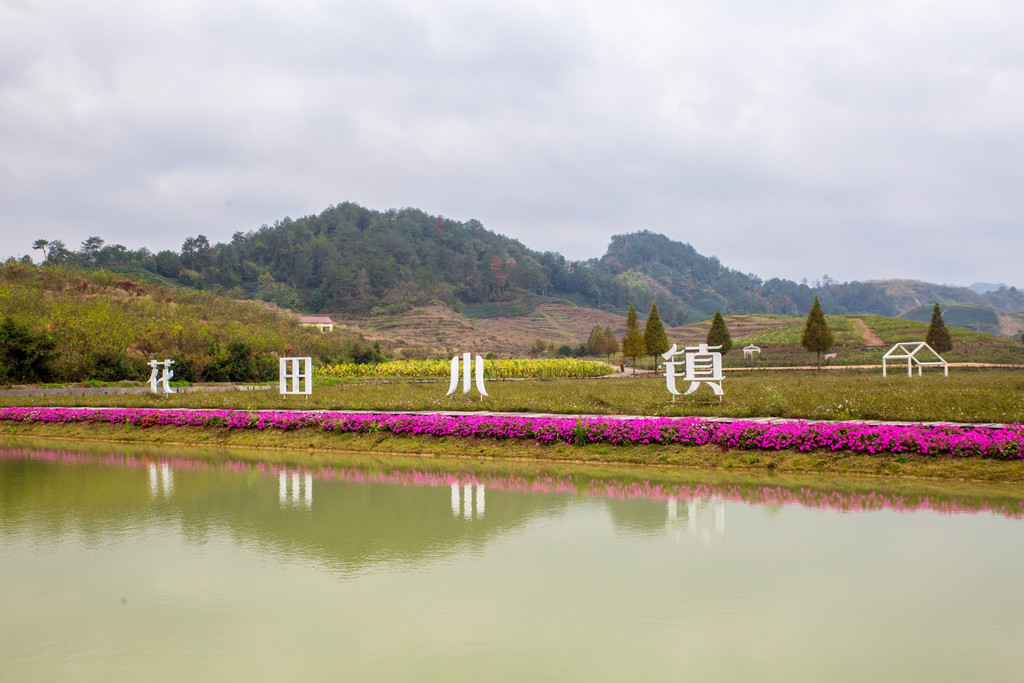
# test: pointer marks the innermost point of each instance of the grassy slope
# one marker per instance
(94, 312)
(89, 313)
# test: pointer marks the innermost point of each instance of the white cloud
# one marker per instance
(862, 139)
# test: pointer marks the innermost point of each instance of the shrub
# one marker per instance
(24, 355)
(111, 365)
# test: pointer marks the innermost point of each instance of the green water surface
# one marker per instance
(119, 567)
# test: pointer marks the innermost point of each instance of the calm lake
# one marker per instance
(162, 565)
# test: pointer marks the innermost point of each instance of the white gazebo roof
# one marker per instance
(908, 351)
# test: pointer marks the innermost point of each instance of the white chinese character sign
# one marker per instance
(296, 375)
(703, 366)
(160, 376)
(466, 375)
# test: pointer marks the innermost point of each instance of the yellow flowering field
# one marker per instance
(493, 369)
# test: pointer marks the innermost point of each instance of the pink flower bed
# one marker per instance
(869, 439)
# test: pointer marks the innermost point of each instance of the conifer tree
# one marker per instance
(632, 341)
(655, 339)
(609, 344)
(718, 335)
(817, 336)
(595, 343)
(938, 336)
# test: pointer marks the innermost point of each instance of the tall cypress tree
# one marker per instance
(817, 336)
(938, 336)
(632, 341)
(609, 344)
(718, 335)
(596, 341)
(655, 339)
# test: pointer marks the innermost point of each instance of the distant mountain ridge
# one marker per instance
(907, 294)
(986, 287)
(350, 260)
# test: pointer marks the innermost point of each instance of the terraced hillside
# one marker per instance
(436, 330)
(431, 331)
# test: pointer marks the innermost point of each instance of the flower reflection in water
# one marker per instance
(295, 488)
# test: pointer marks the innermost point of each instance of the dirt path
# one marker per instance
(870, 338)
(626, 372)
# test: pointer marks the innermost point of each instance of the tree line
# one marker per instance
(351, 260)
(653, 341)
(64, 323)
(816, 338)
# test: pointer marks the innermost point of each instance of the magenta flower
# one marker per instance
(948, 440)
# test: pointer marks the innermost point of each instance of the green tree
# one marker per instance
(938, 336)
(91, 249)
(41, 244)
(59, 253)
(817, 336)
(595, 343)
(609, 343)
(24, 355)
(194, 251)
(167, 263)
(655, 339)
(718, 335)
(632, 341)
(236, 364)
(279, 293)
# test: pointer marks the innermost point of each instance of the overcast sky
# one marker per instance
(792, 138)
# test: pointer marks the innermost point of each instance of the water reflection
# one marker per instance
(161, 480)
(462, 500)
(428, 571)
(688, 500)
(295, 489)
(704, 518)
(361, 516)
(373, 513)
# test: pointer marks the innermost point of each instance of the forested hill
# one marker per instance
(350, 260)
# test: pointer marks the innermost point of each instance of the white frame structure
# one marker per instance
(300, 373)
(749, 351)
(909, 354)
